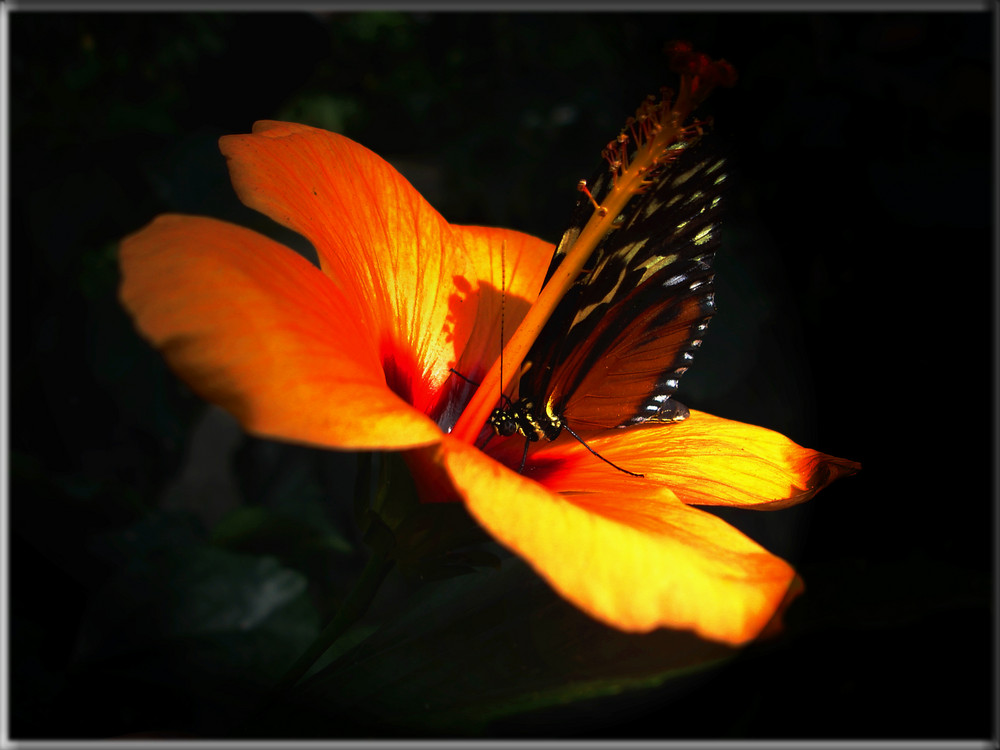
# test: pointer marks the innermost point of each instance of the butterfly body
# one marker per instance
(522, 417)
(613, 351)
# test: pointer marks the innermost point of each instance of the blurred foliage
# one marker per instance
(482, 646)
(166, 568)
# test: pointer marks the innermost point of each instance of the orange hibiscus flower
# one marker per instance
(358, 354)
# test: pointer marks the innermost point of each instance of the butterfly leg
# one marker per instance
(524, 456)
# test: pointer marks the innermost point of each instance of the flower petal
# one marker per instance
(704, 460)
(710, 460)
(508, 268)
(375, 236)
(680, 567)
(257, 329)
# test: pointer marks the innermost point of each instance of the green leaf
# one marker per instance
(158, 530)
(204, 620)
(475, 648)
(427, 540)
(255, 529)
(321, 110)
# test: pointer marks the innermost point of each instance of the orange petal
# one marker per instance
(679, 567)
(508, 268)
(716, 461)
(257, 329)
(375, 236)
(704, 460)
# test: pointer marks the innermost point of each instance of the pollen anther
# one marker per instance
(582, 187)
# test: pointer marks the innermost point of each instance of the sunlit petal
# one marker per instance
(258, 330)
(508, 268)
(677, 567)
(375, 236)
(704, 460)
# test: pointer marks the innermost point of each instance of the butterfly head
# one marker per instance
(503, 422)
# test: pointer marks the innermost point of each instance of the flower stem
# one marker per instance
(350, 611)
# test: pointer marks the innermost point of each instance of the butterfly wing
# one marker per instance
(619, 340)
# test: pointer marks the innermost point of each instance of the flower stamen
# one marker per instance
(657, 130)
(582, 187)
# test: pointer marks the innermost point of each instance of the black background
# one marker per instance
(854, 290)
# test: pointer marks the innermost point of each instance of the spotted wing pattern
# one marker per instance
(615, 347)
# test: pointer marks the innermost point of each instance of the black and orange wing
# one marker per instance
(615, 347)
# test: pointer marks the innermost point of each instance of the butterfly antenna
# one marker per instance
(503, 302)
(584, 444)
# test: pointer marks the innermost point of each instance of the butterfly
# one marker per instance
(614, 349)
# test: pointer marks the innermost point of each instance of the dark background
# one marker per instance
(854, 290)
